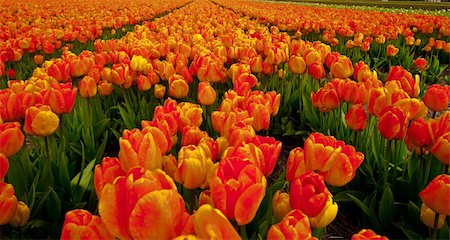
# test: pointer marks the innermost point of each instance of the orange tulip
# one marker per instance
(143, 83)
(320, 152)
(193, 167)
(256, 64)
(38, 59)
(419, 134)
(344, 167)
(437, 194)
(295, 225)
(331, 58)
(407, 82)
(356, 117)
(21, 216)
(392, 123)
(412, 107)
(367, 234)
(211, 223)
(4, 165)
(11, 138)
(105, 88)
(420, 63)
(87, 87)
(391, 50)
(205, 198)
(81, 224)
(178, 87)
(308, 193)
(427, 216)
(8, 203)
(271, 149)
(40, 121)
(191, 135)
(142, 204)
(441, 147)
(437, 97)
(327, 215)
(190, 115)
(295, 164)
(342, 68)
(159, 91)
(316, 70)
(326, 99)
(106, 172)
(206, 94)
(297, 65)
(60, 98)
(139, 149)
(280, 205)
(238, 202)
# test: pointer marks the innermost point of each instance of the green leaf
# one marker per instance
(101, 149)
(101, 127)
(127, 119)
(414, 212)
(53, 205)
(80, 188)
(370, 213)
(407, 230)
(387, 207)
(15, 177)
(343, 196)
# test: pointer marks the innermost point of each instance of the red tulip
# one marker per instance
(238, 202)
(392, 123)
(8, 203)
(271, 150)
(356, 117)
(316, 70)
(420, 63)
(295, 225)
(309, 194)
(11, 138)
(105, 173)
(367, 234)
(60, 98)
(325, 99)
(437, 194)
(437, 97)
(295, 164)
(4, 165)
(81, 224)
(320, 152)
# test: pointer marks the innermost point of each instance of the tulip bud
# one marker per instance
(8, 203)
(87, 87)
(297, 65)
(206, 94)
(420, 63)
(317, 71)
(391, 50)
(21, 216)
(178, 87)
(356, 117)
(105, 88)
(436, 194)
(159, 91)
(427, 216)
(367, 234)
(436, 97)
(280, 205)
(342, 68)
(4, 165)
(11, 138)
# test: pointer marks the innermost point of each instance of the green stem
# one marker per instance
(427, 170)
(47, 151)
(435, 226)
(388, 160)
(355, 139)
(243, 232)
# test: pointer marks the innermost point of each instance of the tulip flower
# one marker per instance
(159, 91)
(316, 70)
(297, 65)
(320, 152)
(193, 167)
(295, 164)
(280, 205)
(344, 167)
(420, 63)
(326, 99)
(391, 50)
(8, 203)
(206, 94)
(407, 82)
(190, 115)
(80, 223)
(256, 64)
(211, 223)
(412, 107)
(105, 88)
(437, 194)
(21, 216)
(143, 83)
(38, 59)
(142, 204)
(441, 147)
(331, 58)
(271, 150)
(367, 234)
(106, 172)
(87, 87)
(427, 217)
(309, 194)
(342, 68)
(356, 117)
(295, 225)
(392, 123)
(40, 121)
(61, 99)
(327, 215)
(11, 138)
(437, 97)
(139, 149)
(419, 134)
(178, 87)
(238, 202)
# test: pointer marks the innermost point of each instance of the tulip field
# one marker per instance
(215, 119)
